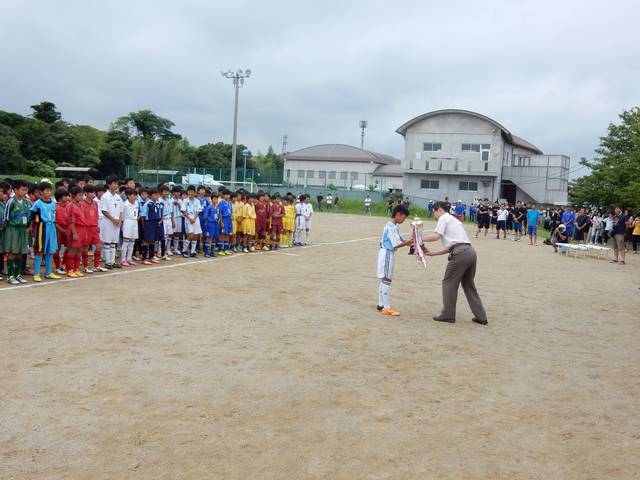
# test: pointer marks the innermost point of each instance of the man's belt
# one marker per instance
(456, 245)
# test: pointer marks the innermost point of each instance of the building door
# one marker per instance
(508, 191)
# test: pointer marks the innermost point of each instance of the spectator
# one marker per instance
(430, 208)
(329, 202)
(458, 210)
(389, 205)
(367, 205)
(319, 200)
(635, 233)
(608, 227)
(582, 226)
(568, 217)
(406, 202)
(336, 203)
(619, 229)
(595, 234)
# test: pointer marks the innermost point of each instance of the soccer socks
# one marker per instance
(194, 244)
(76, 262)
(85, 258)
(37, 263)
(96, 256)
(48, 264)
(384, 294)
(205, 249)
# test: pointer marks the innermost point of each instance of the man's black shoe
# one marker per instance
(481, 322)
(440, 318)
(379, 307)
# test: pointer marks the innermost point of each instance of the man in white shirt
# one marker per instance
(461, 267)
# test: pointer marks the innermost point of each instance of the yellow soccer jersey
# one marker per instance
(249, 219)
(289, 217)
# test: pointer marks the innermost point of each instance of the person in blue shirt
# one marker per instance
(45, 238)
(533, 214)
(459, 210)
(429, 207)
(568, 217)
(211, 228)
(226, 213)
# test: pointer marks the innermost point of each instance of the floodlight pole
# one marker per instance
(363, 125)
(238, 81)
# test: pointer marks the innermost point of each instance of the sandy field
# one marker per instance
(277, 366)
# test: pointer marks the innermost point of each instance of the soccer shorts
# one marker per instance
(81, 241)
(501, 225)
(532, 230)
(109, 233)
(16, 239)
(212, 230)
(193, 228)
(276, 229)
(482, 223)
(227, 225)
(517, 225)
(93, 237)
(386, 263)
(261, 228)
(167, 226)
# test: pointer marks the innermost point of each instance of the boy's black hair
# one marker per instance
(100, 188)
(176, 189)
(88, 178)
(127, 180)
(130, 191)
(202, 187)
(233, 194)
(443, 205)
(164, 188)
(32, 188)
(60, 192)
(144, 190)
(151, 191)
(110, 179)
(19, 183)
(138, 184)
(59, 184)
(221, 188)
(213, 194)
(44, 186)
(191, 188)
(89, 189)
(400, 209)
(75, 190)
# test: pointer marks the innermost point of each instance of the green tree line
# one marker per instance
(38, 143)
(614, 177)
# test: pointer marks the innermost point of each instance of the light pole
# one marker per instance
(238, 80)
(245, 154)
(363, 124)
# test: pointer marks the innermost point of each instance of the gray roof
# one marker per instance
(521, 142)
(337, 152)
(388, 171)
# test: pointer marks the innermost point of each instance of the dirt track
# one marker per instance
(277, 366)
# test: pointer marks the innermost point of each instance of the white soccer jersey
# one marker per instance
(307, 210)
(111, 203)
(391, 238)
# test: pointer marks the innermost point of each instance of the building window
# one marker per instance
(432, 147)
(470, 147)
(430, 184)
(344, 175)
(332, 175)
(322, 174)
(485, 155)
(486, 166)
(288, 173)
(486, 146)
(300, 173)
(468, 186)
(310, 173)
(354, 175)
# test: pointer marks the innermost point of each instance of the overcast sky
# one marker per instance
(553, 72)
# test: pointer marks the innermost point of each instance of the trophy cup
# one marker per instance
(418, 249)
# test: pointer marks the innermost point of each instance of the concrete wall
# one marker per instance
(544, 178)
(449, 187)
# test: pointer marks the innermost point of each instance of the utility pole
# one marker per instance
(238, 81)
(363, 124)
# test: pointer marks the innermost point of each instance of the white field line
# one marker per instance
(174, 265)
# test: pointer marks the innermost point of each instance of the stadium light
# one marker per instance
(363, 124)
(238, 81)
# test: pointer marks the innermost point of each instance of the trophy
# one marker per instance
(418, 249)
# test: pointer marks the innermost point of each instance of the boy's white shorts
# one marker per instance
(167, 226)
(386, 263)
(193, 228)
(109, 233)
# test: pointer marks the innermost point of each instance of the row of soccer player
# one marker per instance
(147, 225)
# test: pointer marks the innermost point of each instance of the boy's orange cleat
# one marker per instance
(79, 273)
(389, 312)
(71, 274)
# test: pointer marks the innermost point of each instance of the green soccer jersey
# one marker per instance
(18, 212)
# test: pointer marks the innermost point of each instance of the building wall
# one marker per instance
(320, 173)
(449, 186)
(544, 178)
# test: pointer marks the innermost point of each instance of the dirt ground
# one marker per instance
(277, 366)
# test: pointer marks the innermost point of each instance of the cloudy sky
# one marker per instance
(553, 72)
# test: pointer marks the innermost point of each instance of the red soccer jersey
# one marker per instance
(77, 215)
(277, 212)
(261, 211)
(62, 214)
(90, 210)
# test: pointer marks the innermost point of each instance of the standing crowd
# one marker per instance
(64, 224)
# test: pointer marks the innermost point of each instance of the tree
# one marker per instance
(46, 112)
(11, 160)
(615, 174)
(114, 158)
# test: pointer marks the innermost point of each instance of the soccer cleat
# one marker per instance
(52, 276)
(252, 249)
(88, 270)
(116, 265)
(155, 260)
(37, 278)
(266, 248)
(101, 269)
(389, 312)
(193, 255)
(379, 307)
(61, 271)
(166, 258)
(13, 281)
(71, 274)
(79, 273)
(246, 250)
(20, 279)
